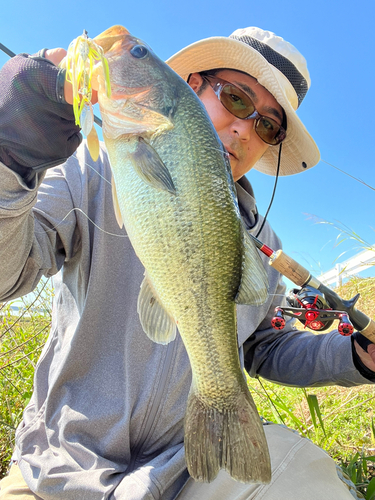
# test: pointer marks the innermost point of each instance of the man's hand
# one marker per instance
(37, 125)
(367, 358)
(56, 56)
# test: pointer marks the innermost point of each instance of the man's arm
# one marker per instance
(300, 358)
(37, 131)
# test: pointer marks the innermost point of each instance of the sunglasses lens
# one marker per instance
(240, 105)
(269, 131)
(236, 101)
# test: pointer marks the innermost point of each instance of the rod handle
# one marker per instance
(289, 268)
(369, 331)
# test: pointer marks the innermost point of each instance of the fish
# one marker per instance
(174, 192)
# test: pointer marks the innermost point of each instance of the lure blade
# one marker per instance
(93, 144)
(87, 118)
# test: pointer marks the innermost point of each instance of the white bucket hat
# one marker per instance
(279, 67)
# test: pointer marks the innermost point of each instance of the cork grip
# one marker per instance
(369, 331)
(289, 268)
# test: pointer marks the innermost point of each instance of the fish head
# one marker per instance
(144, 94)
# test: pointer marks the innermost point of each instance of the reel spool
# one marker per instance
(311, 299)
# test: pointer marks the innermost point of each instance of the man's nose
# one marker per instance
(243, 129)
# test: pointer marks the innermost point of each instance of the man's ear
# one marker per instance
(195, 81)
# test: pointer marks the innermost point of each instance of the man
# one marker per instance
(106, 416)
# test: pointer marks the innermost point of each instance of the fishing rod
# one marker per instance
(314, 304)
(6, 50)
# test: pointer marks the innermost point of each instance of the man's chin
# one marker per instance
(233, 164)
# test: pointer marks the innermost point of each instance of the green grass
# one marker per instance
(340, 420)
(22, 338)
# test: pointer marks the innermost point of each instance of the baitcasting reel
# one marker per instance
(311, 308)
(315, 305)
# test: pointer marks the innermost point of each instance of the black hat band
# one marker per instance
(280, 62)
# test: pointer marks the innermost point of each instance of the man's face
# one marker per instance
(243, 144)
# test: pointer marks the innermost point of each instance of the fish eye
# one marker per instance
(139, 51)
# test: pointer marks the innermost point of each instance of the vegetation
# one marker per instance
(340, 420)
(24, 327)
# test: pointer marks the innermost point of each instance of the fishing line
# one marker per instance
(83, 213)
(98, 121)
(349, 175)
(94, 169)
(80, 210)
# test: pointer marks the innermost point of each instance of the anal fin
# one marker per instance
(155, 320)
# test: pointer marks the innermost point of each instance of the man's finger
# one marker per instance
(371, 351)
(367, 358)
(55, 55)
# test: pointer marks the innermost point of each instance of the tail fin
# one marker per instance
(232, 439)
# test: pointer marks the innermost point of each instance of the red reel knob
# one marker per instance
(278, 321)
(345, 325)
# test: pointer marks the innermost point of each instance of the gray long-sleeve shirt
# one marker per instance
(106, 416)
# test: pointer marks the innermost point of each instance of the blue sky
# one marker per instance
(337, 40)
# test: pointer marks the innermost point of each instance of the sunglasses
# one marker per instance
(240, 105)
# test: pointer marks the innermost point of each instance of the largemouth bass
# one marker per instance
(174, 192)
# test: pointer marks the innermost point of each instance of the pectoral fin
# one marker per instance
(150, 167)
(254, 282)
(156, 322)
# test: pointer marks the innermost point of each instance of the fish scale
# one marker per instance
(175, 195)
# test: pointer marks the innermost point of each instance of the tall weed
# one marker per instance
(24, 326)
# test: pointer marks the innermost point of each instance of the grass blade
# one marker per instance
(314, 408)
(370, 493)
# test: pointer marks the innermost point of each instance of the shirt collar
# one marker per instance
(246, 202)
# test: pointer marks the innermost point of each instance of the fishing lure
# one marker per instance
(83, 54)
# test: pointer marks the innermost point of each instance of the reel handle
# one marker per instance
(301, 277)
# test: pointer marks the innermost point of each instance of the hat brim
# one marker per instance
(299, 151)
